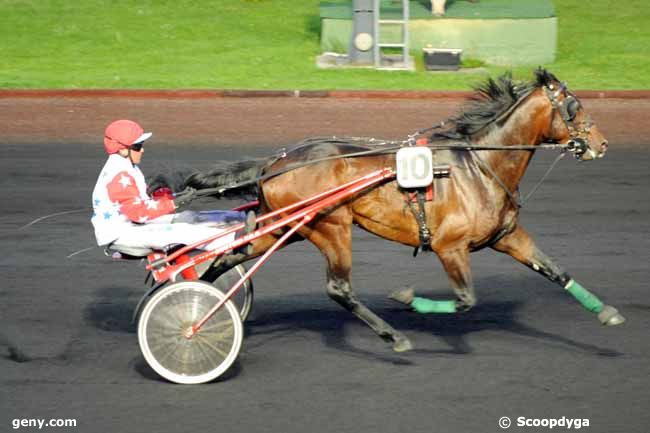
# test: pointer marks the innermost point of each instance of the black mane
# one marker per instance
(492, 99)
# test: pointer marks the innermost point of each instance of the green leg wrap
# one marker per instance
(585, 297)
(424, 305)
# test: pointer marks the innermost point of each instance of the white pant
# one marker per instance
(160, 232)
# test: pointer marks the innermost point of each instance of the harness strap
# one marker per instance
(421, 218)
(393, 147)
(221, 189)
(425, 233)
(428, 194)
(514, 200)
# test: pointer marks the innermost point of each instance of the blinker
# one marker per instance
(572, 107)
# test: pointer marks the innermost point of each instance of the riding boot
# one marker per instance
(250, 223)
(250, 226)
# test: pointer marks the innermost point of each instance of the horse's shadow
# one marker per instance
(280, 316)
(452, 329)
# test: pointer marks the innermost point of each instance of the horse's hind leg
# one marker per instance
(334, 240)
(522, 248)
(456, 264)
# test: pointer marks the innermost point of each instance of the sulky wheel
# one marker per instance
(204, 356)
(243, 299)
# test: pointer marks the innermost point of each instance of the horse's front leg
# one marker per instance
(522, 248)
(456, 264)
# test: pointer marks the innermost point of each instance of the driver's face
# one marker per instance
(136, 155)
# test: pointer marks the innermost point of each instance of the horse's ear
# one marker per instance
(544, 77)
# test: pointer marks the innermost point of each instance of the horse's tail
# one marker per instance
(229, 179)
(236, 179)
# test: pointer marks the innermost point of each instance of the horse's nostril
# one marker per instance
(604, 146)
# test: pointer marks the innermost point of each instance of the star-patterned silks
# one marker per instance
(120, 198)
(124, 181)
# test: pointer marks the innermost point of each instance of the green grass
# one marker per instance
(270, 44)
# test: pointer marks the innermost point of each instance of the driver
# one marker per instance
(125, 215)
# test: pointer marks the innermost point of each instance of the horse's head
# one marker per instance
(570, 124)
(546, 111)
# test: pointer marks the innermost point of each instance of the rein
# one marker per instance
(514, 199)
(577, 145)
(391, 148)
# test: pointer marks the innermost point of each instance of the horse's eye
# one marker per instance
(572, 107)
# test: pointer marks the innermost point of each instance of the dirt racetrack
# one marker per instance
(69, 351)
(267, 121)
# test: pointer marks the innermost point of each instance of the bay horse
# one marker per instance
(475, 208)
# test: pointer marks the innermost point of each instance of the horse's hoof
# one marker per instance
(403, 296)
(610, 316)
(402, 345)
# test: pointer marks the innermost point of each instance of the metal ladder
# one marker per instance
(403, 43)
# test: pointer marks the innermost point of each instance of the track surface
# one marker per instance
(526, 350)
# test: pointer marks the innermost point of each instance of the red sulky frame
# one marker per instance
(166, 268)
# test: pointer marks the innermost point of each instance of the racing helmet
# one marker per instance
(123, 134)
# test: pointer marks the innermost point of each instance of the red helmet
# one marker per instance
(123, 134)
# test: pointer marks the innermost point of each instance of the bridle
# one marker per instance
(568, 108)
(578, 143)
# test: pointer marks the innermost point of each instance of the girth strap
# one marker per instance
(428, 195)
(420, 214)
(421, 217)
